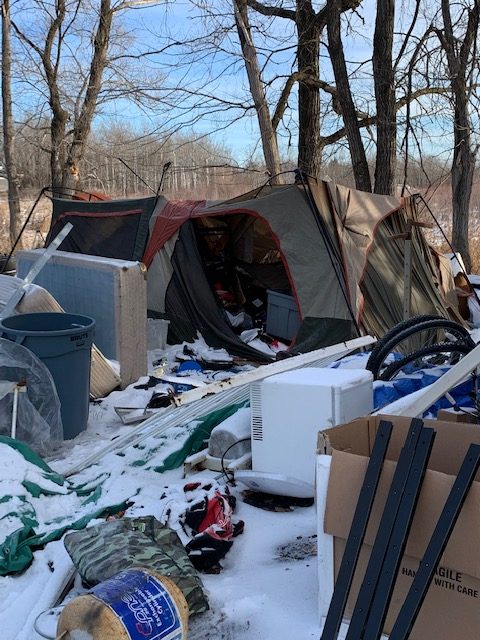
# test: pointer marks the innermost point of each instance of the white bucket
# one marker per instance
(157, 331)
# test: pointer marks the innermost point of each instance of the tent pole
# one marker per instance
(136, 174)
(407, 264)
(34, 206)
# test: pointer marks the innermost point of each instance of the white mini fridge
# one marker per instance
(289, 409)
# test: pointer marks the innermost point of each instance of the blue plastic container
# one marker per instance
(63, 342)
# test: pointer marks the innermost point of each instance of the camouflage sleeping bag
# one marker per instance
(101, 551)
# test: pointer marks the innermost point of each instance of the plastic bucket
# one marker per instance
(136, 604)
(63, 342)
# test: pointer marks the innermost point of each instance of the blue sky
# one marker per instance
(227, 77)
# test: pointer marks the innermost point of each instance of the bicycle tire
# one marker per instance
(460, 348)
(375, 366)
(398, 328)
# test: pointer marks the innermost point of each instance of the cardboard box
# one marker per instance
(451, 609)
(466, 414)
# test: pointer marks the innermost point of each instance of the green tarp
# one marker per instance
(39, 505)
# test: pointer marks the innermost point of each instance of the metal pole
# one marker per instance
(398, 540)
(441, 534)
(407, 277)
(14, 413)
(384, 533)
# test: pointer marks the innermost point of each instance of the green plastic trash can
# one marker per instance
(63, 342)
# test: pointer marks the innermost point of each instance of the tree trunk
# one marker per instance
(308, 51)
(9, 128)
(459, 57)
(347, 107)
(83, 124)
(267, 133)
(57, 149)
(463, 167)
(384, 79)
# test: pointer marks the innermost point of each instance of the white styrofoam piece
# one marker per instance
(228, 438)
(277, 484)
(456, 260)
(326, 571)
(111, 291)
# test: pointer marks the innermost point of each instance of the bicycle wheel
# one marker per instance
(398, 328)
(418, 336)
(437, 355)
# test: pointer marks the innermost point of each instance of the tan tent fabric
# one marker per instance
(338, 250)
(383, 281)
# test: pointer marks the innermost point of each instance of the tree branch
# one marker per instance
(265, 10)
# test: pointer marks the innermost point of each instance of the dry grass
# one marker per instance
(37, 229)
(438, 202)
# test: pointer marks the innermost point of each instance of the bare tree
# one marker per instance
(68, 48)
(9, 127)
(344, 99)
(310, 24)
(458, 38)
(267, 131)
(384, 82)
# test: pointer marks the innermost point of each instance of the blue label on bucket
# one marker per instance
(143, 604)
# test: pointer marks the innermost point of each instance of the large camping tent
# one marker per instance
(338, 252)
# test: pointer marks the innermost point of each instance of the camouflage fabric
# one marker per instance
(101, 551)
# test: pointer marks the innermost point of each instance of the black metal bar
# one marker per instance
(387, 521)
(436, 546)
(357, 532)
(398, 539)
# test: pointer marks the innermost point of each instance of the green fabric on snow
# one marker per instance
(18, 544)
(196, 440)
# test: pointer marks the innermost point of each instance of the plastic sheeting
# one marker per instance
(38, 422)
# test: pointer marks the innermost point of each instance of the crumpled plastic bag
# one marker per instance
(38, 423)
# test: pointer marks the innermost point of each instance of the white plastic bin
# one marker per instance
(157, 331)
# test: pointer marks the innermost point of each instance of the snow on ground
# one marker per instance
(261, 592)
(268, 588)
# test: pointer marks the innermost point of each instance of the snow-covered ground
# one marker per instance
(268, 587)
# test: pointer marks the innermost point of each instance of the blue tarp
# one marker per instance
(386, 392)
